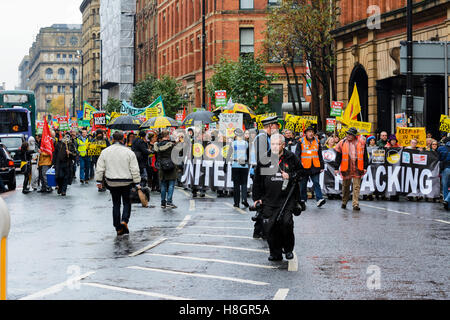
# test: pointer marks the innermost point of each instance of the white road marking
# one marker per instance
(208, 227)
(232, 221)
(217, 235)
(257, 283)
(381, 208)
(184, 222)
(293, 263)
(57, 288)
(238, 209)
(443, 221)
(405, 213)
(216, 246)
(150, 246)
(184, 191)
(213, 260)
(192, 205)
(281, 294)
(126, 290)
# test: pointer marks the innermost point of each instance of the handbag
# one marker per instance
(166, 164)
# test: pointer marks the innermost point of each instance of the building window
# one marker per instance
(48, 89)
(49, 74)
(245, 4)
(273, 2)
(58, 57)
(61, 74)
(246, 41)
(64, 57)
(294, 91)
(70, 57)
(276, 98)
(61, 89)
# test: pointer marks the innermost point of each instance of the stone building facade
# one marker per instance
(368, 54)
(232, 28)
(23, 73)
(53, 56)
(90, 41)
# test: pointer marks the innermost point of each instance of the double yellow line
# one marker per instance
(3, 269)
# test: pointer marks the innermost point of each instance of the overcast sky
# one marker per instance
(20, 22)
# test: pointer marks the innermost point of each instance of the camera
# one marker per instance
(258, 208)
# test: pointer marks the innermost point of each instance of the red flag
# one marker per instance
(184, 113)
(46, 141)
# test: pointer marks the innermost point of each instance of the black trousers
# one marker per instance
(280, 235)
(26, 174)
(239, 177)
(120, 195)
(63, 176)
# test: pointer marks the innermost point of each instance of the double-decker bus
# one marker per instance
(17, 112)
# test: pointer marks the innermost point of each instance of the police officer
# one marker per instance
(309, 151)
(259, 153)
(271, 186)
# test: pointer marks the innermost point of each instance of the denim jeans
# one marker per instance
(445, 178)
(317, 190)
(85, 168)
(167, 187)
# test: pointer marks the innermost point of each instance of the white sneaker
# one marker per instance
(321, 202)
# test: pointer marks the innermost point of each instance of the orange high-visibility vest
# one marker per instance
(310, 153)
(346, 157)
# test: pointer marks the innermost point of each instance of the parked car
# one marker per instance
(13, 142)
(7, 169)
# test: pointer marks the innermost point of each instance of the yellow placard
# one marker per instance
(364, 128)
(404, 136)
(261, 117)
(299, 123)
(444, 123)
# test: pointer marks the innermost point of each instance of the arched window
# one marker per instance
(61, 74)
(49, 74)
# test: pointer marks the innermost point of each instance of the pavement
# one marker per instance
(66, 248)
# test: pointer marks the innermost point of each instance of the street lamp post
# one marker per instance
(204, 54)
(80, 56)
(409, 65)
(73, 91)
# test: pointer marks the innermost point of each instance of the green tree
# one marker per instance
(57, 106)
(149, 89)
(307, 25)
(113, 105)
(246, 81)
(143, 94)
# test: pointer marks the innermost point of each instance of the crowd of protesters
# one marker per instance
(153, 150)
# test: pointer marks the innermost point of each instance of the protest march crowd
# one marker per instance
(301, 165)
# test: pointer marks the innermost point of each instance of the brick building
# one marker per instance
(369, 56)
(175, 28)
(146, 39)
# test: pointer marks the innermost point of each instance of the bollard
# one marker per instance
(5, 223)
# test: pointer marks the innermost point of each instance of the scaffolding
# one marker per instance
(117, 36)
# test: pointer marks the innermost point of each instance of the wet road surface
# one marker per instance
(66, 248)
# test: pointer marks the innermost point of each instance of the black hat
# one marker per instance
(311, 128)
(269, 120)
(352, 131)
